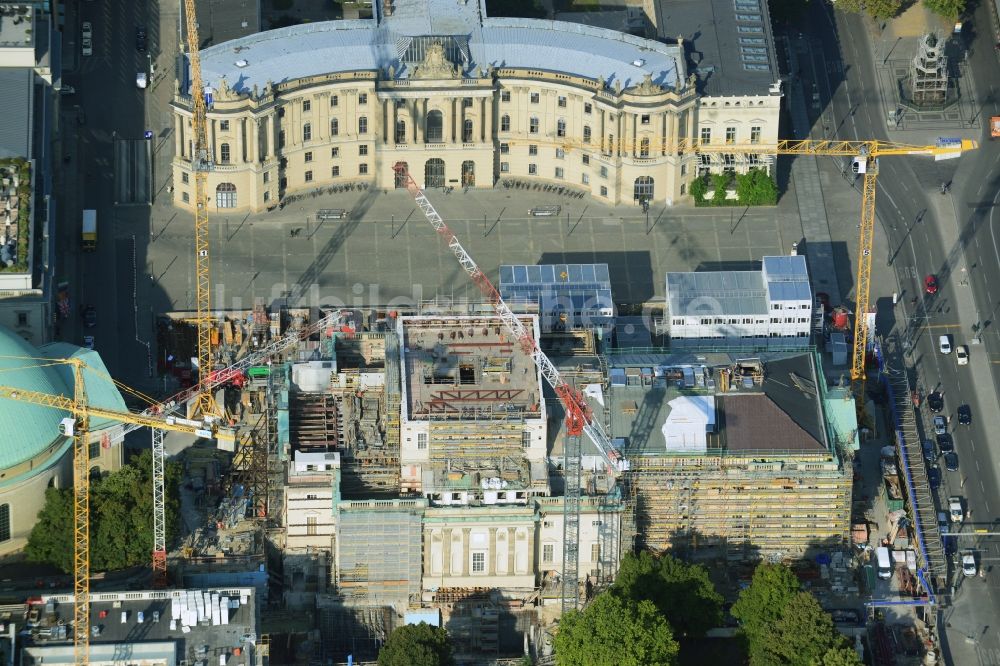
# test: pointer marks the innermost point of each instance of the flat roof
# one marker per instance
(202, 635)
(558, 287)
(710, 293)
(15, 111)
(730, 44)
(473, 43)
(467, 368)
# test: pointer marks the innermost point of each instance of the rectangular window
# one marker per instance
(334, 127)
(548, 552)
(684, 169)
(706, 135)
(534, 98)
(532, 169)
(307, 132)
(310, 525)
(533, 126)
(586, 158)
(223, 125)
(730, 135)
(306, 106)
(267, 196)
(466, 102)
(755, 134)
(588, 108)
(525, 439)
(363, 169)
(532, 150)
(505, 123)
(504, 95)
(281, 139)
(585, 179)
(362, 125)
(309, 176)
(335, 171)
(185, 178)
(185, 197)
(604, 171)
(505, 167)
(335, 152)
(362, 98)
(421, 441)
(334, 100)
(478, 562)
(644, 119)
(604, 191)
(504, 148)
(309, 156)
(559, 172)
(560, 153)
(94, 449)
(562, 101)
(267, 176)
(363, 149)
(595, 552)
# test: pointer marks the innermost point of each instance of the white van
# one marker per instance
(884, 564)
(944, 344)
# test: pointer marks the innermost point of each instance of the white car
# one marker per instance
(962, 355)
(87, 35)
(944, 344)
(969, 564)
(141, 80)
(88, 46)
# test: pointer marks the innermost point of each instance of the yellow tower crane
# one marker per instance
(201, 164)
(865, 155)
(77, 426)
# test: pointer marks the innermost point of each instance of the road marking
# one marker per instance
(979, 470)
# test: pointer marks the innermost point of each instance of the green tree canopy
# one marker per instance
(802, 636)
(682, 592)
(762, 603)
(121, 519)
(950, 9)
(839, 656)
(613, 630)
(417, 645)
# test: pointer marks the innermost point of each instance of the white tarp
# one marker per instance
(594, 391)
(690, 420)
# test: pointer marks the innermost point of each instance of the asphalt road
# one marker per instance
(915, 217)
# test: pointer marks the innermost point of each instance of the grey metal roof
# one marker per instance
(320, 48)
(716, 293)
(555, 287)
(729, 42)
(15, 111)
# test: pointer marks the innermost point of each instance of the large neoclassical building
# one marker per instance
(466, 100)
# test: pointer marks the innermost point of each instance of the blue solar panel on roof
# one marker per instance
(506, 274)
(520, 273)
(547, 273)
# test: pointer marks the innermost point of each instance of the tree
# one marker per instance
(756, 188)
(417, 645)
(720, 181)
(613, 630)
(802, 636)
(121, 518)
(682, 592)
(699, 186)
(950, 9)
(839, 656)
(762, 603)
(880, 10)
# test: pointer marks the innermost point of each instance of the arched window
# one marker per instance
(435, 127)
(400, 175)
(644, 147)
(467, 130)
(307, 132)
(334, 127)
(225, 195)
(400, 131)
(643, 189)
(434, 173)
(224, 153)
(560, 127)
(533, 125)
(468, 173)
(505, 123)
(586, 133)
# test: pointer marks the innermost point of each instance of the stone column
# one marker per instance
(601, 131)
(466, 531)
(179, 147)
(492, 555)
(487, 132)
(446, 553)
(272, 133)
(237, 149)
(390, 140)
(635, 134)
(511, 550)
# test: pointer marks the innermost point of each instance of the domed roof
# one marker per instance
(27, 429)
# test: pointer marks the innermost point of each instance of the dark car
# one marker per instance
(964, 415)
(90, 316)
(930, 453)
(935, 402)
(140, 40)
(950, 545)
(951, 461)
(945, 443)
(934, 477)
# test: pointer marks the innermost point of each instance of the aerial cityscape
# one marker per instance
(499, 332)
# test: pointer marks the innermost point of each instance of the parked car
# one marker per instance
(67, 90)
(945, 443)
(962, 355)
(930, 453)
(969, 563)
(88, 341)
(935, 402)
(940, 425)
(140, 39)
(951, 461)
(141, 81)
(934, 477)
(943, 523)
(944, 344)
(90, 316)
(87, 38)
(845, 616)
(964, 415)
(87, 46)
(931, 284)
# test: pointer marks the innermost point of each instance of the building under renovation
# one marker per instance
(732, 456)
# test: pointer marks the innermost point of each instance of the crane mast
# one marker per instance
(579, 417)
